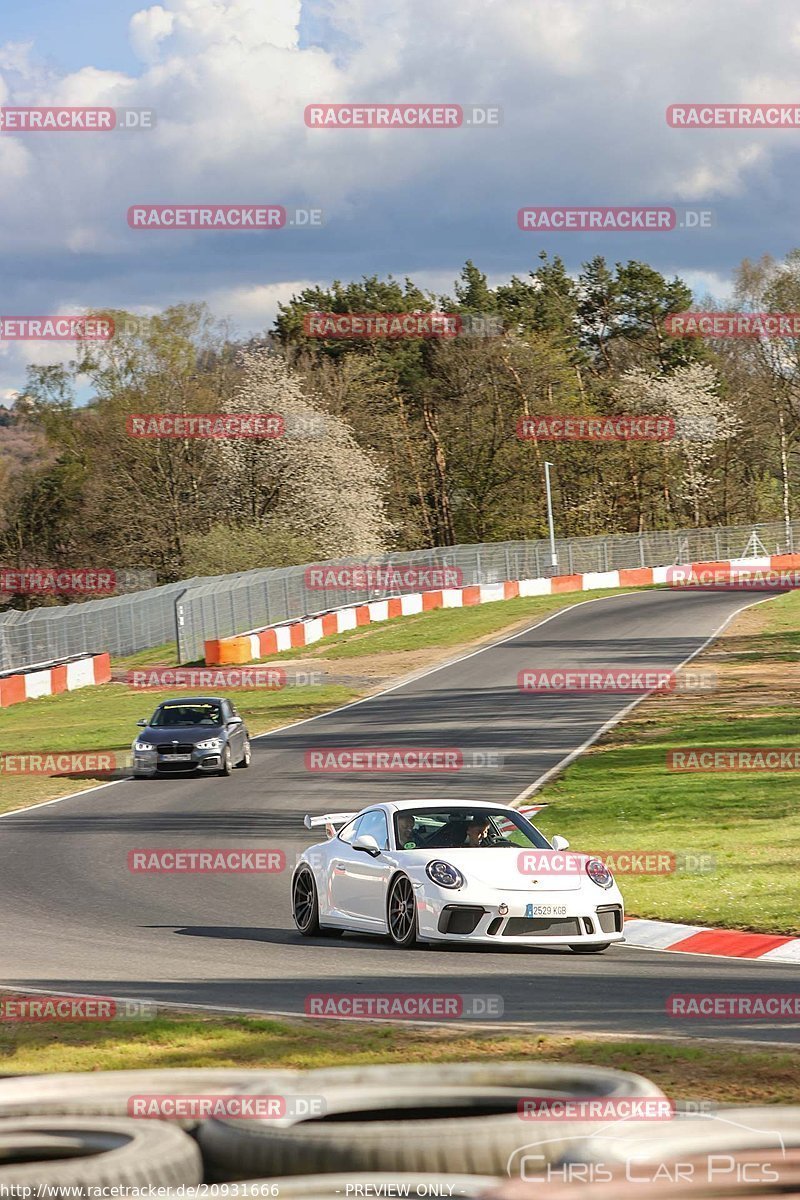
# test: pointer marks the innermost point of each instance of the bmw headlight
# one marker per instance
(140, 746)
(444, 874)
(599, 873)
(209, 744)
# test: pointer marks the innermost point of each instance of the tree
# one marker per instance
(315, 481)
(703, 421)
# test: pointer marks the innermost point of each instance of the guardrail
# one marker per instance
(196, 610)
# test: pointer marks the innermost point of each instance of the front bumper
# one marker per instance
(557, 919)
(154, 762)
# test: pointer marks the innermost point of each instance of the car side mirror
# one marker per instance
(367, 844)
(560, 843)
(234, 721)
(142, 723)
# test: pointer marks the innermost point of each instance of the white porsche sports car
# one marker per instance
(453, 871)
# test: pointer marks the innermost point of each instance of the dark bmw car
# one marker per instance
(203, 734)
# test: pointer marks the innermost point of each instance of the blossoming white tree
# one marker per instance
(703, 420)
(315, 480)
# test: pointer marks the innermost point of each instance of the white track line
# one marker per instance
(620, 716)
(351, 704)
(540, 782)
(259, 1013)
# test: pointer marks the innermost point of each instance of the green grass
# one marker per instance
(620, 795)
(156, 656)
(103, 719)
(443, 627)
(740, 1074)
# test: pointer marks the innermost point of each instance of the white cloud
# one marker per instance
(255, 308)
(148, 29)
(584, 87)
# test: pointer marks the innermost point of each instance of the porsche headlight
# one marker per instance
(599, 873)
(209, 744)
(443, 874)
(139, 747)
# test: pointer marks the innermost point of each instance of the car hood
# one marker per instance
(498, 867)
(191, 733)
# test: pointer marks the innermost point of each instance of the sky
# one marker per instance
(583, 86)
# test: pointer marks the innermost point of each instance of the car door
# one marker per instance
(359, 881)
(336, 899)
(235, 732)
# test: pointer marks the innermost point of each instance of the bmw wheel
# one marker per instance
(246, 758)
(227, 761)
(402, 912)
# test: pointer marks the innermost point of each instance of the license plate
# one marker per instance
(546, 910)
(176, 757)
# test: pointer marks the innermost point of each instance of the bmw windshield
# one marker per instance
(180, 716)
(447, 828)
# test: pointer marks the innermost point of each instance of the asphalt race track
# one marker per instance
(74, 919)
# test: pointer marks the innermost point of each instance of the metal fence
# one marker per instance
(121, 625)
(237, 605)
(198, 609)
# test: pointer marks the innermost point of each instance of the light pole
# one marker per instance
(553, 555)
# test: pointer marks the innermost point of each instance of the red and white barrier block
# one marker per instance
(259, 643)
(54, 678)
(699, 939)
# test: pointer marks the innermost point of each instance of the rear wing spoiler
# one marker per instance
(331, 821)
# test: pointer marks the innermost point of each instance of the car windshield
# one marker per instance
(448, 828)
(172, 715)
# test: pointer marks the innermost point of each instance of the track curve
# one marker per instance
(75, 920)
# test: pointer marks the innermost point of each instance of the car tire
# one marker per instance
(227, 764)
(245, 760)
(108, 1093)
(597, 948)
(383, 1120)
(95, 1152)
(401, 913)
(305, 903)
